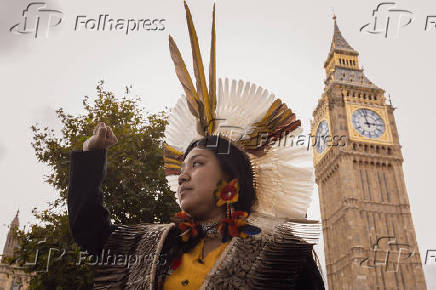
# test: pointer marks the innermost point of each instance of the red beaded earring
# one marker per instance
(234, 223)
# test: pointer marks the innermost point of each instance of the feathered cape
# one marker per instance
(281, 257)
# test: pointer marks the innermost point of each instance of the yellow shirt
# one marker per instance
(190, 274)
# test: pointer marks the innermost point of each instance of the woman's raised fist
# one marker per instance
(103, 138)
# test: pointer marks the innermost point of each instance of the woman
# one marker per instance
(253, 262)
(243, 200)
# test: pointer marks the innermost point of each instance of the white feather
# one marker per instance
(182, 126)
(239, 106)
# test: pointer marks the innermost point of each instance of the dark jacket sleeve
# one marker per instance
(89, 220)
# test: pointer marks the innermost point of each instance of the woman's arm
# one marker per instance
(89, 220)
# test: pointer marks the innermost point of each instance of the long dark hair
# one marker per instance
(234, 164)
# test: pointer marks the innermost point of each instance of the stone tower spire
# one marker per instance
(338, 41)
(11, 242)
(342, 63)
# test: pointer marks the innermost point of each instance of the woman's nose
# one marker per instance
(183, 177)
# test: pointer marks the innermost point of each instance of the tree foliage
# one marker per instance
(135, 188)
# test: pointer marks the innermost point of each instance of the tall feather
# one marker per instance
(199, 70)
(194, 103)
(212, 71)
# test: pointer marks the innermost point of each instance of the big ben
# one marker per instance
(369, 237)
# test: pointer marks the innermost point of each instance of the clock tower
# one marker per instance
(369, 237)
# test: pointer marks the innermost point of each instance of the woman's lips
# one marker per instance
(184, 191)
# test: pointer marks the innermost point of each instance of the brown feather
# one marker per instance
(212, 71)
(192, 98)
(277, 120)
(199, 69)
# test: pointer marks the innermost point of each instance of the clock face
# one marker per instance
(368, 123)
(321, 133)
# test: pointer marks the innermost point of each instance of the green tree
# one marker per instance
(135, 187)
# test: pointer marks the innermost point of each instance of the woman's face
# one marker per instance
(200, 174)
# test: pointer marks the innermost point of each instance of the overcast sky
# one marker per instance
(279, 45)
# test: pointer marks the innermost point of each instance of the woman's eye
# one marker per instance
(196, 163)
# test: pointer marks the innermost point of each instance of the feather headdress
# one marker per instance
(246, 114)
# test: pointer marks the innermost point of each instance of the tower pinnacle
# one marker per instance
(11, 241)
(15, 222)
(338, 41)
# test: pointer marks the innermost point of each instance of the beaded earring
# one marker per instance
(234, 224)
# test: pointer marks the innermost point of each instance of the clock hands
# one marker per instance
(365, 115)
(366, 119)
(369, 124)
